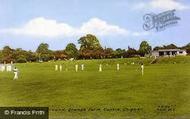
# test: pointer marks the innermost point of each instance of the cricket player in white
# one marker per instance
(117, 67)
(142, 68)
(76, 67)
(60, 67)
(15, 70)
(56, 67)
(100, 67)
(82, 67)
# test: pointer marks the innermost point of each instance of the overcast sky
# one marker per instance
(116, 23)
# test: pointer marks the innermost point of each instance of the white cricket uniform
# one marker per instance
(76, 67)
(100, 68)
(117, 66)
(82, 67)
(15, 74)
(142, 69)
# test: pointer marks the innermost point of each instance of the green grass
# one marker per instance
(163, 84)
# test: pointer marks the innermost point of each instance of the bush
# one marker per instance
(21, 60)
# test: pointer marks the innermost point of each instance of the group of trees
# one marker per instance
(90, 48)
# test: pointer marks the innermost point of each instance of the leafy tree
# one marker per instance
(118, 53)
(43, 52)
(108, 52)
(144, 48)
(90, 47)
(20, 55)
(43, 48)
(131, 52)
(170, 46)
(89, 42)
(98, 54)
(187, 48)
(157, 48)
(21, 59)
(60, 54)
(7, 54)
(91, 54)
(31, 56)
(71, 51)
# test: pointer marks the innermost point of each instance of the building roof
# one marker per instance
(171, 50)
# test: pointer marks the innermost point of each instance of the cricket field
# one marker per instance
(163, 92)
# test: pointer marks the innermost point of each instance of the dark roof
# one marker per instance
(171, 50)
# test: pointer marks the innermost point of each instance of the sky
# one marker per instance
(116, 23)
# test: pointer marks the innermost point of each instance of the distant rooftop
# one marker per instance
(171, 50)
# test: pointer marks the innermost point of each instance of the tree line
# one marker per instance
(90, 48)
